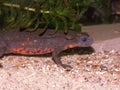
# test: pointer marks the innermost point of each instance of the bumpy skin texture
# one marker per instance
(115, 7)
(30, 43)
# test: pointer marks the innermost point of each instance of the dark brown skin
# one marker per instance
(115, 7)
(30, 43)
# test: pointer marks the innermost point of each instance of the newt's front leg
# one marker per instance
(57, 60)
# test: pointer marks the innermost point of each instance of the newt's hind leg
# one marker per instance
(3, 47)
(57, 60)
(2, 51)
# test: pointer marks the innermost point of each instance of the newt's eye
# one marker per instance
(85, 41)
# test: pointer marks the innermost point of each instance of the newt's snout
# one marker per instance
(85, 41)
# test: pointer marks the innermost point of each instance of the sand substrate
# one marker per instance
(95, 71)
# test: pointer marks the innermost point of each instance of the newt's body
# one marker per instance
(115, 7)
(28, 43)
(115, 10)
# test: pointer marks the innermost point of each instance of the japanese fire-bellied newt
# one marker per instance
(30, 43)
(115, 7)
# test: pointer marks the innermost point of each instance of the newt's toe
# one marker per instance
(66, 67)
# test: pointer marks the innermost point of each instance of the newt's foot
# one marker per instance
(1, 66)
(66, 67)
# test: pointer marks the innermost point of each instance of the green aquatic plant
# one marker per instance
(34, 14)
(44, 14)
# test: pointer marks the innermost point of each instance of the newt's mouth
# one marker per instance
(85, 41)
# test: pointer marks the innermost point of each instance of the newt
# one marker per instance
(30, 43)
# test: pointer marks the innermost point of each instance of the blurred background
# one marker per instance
(57, 14)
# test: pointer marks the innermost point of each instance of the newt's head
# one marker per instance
(85, 40)
(81, 39)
